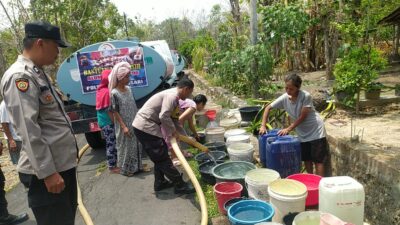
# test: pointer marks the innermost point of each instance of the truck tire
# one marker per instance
(95, 140)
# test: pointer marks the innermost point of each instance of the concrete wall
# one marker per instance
(377, 169)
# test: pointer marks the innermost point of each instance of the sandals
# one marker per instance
(145, 168)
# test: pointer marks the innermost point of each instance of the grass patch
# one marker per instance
(101, 168)
(212, 205)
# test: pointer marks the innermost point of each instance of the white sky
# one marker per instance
(155, 10)
(159, 10)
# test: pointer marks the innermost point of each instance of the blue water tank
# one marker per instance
(283, 154)
(262, 144)
(79, 75)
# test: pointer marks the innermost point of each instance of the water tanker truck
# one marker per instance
(154, 68)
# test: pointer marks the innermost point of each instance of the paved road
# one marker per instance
(117, 200)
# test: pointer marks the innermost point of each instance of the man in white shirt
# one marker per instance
(14, 142)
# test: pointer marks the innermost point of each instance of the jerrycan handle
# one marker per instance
(270, 140)
(285, 138)
(273, 131)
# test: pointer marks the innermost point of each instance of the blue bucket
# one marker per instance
(250, 212)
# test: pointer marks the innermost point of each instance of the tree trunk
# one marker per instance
(330, 40)
(3, 62)
(235, 10)
(15, 29)
(311, 42)
(253, 32)
(396, 40)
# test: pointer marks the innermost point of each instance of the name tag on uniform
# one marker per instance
(45, 96)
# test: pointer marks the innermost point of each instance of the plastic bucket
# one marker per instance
(205, 171)
(241, 152)
(202, 138)
(248, 113)
(204, 157)
(211, 114)
(233, 201)
(249, 212)
(329, 219)
(287, 196)
(234, 132)
(229, 123)
(233, 172)
(215, 134)
(312, 182)
(225, 191)
(216, 146)
(257, 182)
(238, 139)
(307, 218)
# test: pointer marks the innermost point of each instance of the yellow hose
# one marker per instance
(195, 182)
(203, 206)
(85, 215)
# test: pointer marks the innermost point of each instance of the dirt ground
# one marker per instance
(381, 129)
(378, 126)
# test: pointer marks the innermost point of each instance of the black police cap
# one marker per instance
(42, 29)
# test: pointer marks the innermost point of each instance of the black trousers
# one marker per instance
(49, 208)
(157, 150)
(3, 201)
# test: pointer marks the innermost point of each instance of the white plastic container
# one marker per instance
(343, 197)
(257, 182)
(241, 152)
(229, 123)
(287, 196)
(307, 218)
(234, 132)
(215, 134)
(243, 138)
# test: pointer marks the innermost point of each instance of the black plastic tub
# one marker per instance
(204, 157)
(233, 201)
(216, 146)
(205, 171)
(248, 113)
(202, 138)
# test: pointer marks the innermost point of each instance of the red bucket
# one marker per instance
(312, 182)
(211, 114)
(226, 191)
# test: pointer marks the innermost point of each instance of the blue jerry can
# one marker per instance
(283, 154)
(262, 141)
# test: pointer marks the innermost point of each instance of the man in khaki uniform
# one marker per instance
(49, 150)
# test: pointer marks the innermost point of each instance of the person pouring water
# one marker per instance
(308, 124)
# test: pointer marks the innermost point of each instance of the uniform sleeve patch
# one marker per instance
(22, 84)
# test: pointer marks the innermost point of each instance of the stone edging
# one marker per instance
(217, 92)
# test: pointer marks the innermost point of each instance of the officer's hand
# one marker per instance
(13, 145)
(54, 183)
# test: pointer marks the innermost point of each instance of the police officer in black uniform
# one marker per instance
(47, 164)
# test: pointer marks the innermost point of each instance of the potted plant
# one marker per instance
(397, 90)
(373, 90)
(358, 68)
